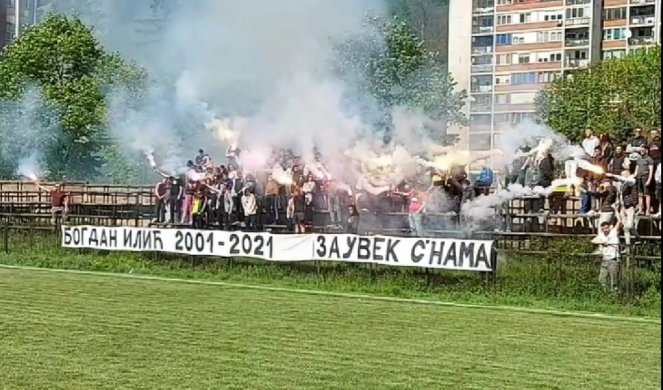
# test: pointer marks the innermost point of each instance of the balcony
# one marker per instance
(577, 22)
(480, 107)
(635, 41)
(576, 63)
(482, 68)
(575, 42)
(482, 29)
(644, 20)
(483, 10)
(482, 49)
(481, 88)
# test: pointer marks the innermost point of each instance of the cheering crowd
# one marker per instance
(624, 183)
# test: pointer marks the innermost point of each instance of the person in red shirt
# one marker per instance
(416, 206)
(59, 201)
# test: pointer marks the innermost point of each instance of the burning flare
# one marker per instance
(224, 132)
(586, 165)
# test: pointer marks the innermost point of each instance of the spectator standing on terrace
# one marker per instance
(654, 147)
(59, 201)
(616, 163)
(176, 194)
(657, 179)
(162, 195)
(629, 200)
(271, 196)
(608, 239)
(250, 207)
(590, 143)
(546, 170)
(607, 193)
(334, 203)
(352, 226)
(606, 151)
(296, 210)
(202, 160)
(637, 141)
(645, 181)
(518, 165)
(417, 205)
(232, 154)
(199, 209)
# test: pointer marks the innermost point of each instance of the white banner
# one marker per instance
(469, 255)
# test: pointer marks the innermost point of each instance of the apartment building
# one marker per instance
(16, 15)
(516, 47)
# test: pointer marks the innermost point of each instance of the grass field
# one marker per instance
(69, 330)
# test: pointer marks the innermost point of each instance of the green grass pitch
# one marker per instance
(80, 331)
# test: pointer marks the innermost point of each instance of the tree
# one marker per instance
(63, 60)
(428, 20)
(611, 96)
(392, 66)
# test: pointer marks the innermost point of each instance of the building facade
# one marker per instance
(16, 15)
(516, 47)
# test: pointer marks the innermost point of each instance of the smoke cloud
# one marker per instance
(266, 65)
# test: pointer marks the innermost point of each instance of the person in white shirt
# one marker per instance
(250, 206)
(590, 143)
(608, 241)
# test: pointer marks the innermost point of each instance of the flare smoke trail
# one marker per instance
(26, 126)
(30, 167)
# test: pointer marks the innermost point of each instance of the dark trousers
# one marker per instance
(251, 222)
(160, 210)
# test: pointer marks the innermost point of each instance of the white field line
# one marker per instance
(562, 313)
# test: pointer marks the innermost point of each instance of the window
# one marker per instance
(549, 36)
(484, 3)
(555, 57)
(525, 18)
(504, 2)
(546, 77)
(608, 54)
(614, 33)
(503, 99)
(480, 142)
(480, 120)
(523, 78)
(503, 19)
(552, 17)
(518, 40)
(503, 59)
(523, 58)
(503, 39)
(614, 13)
(573, 13)
(505, 80)
(579, 55)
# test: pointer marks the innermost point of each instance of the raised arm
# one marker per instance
(624, 179)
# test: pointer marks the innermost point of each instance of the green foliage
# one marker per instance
(610, 96)
(61, 58)
(393, 66)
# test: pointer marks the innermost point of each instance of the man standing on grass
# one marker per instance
(608, 239)
(59, 201)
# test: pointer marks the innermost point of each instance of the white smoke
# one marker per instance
(30, 167)
(265, 64)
